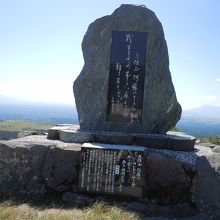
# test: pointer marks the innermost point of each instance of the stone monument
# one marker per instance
(125, 84)
(125, 101)
(124, 93)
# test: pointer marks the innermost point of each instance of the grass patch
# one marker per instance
(212, 140)
(21, 125)
(98, 211)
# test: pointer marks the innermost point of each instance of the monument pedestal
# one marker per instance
(172, 140)
(114, 163)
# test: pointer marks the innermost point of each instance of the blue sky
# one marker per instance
(40, 46)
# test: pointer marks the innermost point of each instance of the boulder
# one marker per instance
(206, 193)
(34, 165)
(61, 168)
(160, 111)
(20, 168)
(167, 180)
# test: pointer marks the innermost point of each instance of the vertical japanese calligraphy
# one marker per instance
(111, 171)
(126, 76)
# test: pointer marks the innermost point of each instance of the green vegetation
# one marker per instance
(20, 125)
(99, 211)
(9, 129)
(213, 139)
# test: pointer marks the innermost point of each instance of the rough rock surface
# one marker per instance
(61, 168)
(206, 195)
(161, 111)
(166, 179)
(20, 168)
(25, 161)
(172, 140)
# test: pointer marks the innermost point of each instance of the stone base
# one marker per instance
(34, 166)
(171, 140)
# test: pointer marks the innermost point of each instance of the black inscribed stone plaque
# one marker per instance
(127, 76)
(110, 169)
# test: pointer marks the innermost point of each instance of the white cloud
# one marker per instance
(217, 79)
(210, 97)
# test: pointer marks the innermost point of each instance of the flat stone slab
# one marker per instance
(171, 140)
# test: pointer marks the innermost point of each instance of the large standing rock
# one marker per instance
(161, 111)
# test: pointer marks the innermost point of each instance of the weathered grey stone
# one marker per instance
(216, 149)
(72, 136)
(173, 140)
(161, 111)
(206, 193)
(22, 161)
(54, 132)
(20, 167)
(166, 179)
(60, 169)
(28, 133)
(114, 138)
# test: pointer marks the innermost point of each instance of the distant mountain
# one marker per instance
(11, 100)
(201, 121)
(206, 111)
(16, 109)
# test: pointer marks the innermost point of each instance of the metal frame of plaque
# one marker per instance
(127, 76)
(111, 169)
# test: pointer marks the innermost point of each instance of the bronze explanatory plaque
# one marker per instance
(115, 170)
(127, 76)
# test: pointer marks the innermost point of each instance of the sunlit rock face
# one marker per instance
(125, 84)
